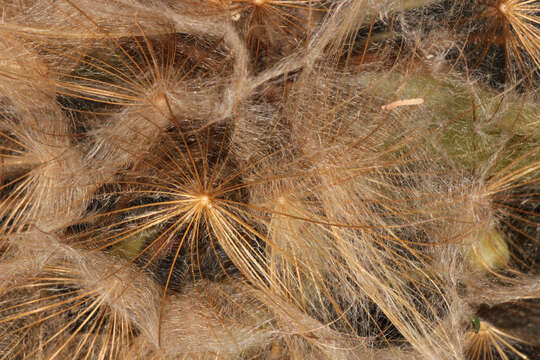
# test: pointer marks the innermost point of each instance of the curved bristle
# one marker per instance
(269, 179)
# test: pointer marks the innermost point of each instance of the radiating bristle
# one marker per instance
(269, 179)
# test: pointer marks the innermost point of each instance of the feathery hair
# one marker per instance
(269, 179)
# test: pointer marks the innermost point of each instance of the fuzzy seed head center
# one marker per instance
(502, 8)
(159, 100)
(483, 328)
(204, 201)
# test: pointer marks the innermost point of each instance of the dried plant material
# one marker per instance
(80, 22)
(488, 250)
(510, 26)
(41, 174)
(398, 103)
(73, 306)
(486, 340)
(260, 179)
(271, 23)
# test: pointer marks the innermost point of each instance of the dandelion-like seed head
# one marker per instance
(268, 179)
(204, 201)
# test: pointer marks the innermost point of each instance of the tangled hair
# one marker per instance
(264, 179)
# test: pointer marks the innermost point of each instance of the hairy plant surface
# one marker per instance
(269, 179)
